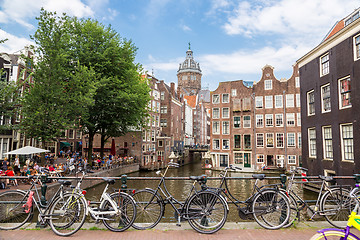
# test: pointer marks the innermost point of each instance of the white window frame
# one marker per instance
(268, 137)
(259, 136)
(224, 147)
(312, 142)
(259, 120)
(322, 98)
(290, 117)
(291, 136)
(290, 103)
(268, 84)
(233, 92)
(217, 116)
(237, 121)
(298, 119)
(340, 93)
(259, 103)
(298, 102)
(225, 127)
(214, 129)
(282, 120)
(269, 102)
(279, 101)
(308, 103)
(327, 142)
(214, 101)
(292, 159)
(269, 117)
(247, 123)
(228, 98)
(324, 64)
(299, 140)
(283, 140)
(297, 82)
(225, 115)
(260, 158)
(356, 48)
(214, 145)
(343, 147)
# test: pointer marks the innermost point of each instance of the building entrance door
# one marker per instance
(247, 160)
(270, 160)
(224, 160)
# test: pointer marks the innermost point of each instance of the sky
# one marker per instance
(230, 39)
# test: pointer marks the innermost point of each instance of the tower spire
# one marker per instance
(189, 45)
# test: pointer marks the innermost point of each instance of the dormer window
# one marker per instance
(268, 84)
(324, 60)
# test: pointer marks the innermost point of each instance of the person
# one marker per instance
(10, 173)
(36, 167)
(27, 162)
(51, 168)
(17, 161)
(5, 165)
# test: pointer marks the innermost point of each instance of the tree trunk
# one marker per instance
(90, 149)
(102, 146)
(42, 155)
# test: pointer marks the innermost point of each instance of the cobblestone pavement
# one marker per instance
(168, 231)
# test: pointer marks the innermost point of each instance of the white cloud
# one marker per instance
(185, 28)
(13, 43)
(22, 11)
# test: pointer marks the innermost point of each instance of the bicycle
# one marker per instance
(117, 211)
(268, 205)
(205, 210)
(17, 207)
(353, 221)
(333, 202)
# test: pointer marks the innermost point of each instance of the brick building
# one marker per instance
(256, 125)
(329, 76)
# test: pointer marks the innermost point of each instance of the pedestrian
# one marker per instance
(17, 161)
(5, 164)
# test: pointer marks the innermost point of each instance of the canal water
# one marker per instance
(240, 188)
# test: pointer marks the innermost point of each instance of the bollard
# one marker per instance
(283, 179)
(44, 180)
(123, 182)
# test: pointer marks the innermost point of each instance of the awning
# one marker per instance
(26, 150)
(64, 144)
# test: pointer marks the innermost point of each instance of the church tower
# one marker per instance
(189, 75)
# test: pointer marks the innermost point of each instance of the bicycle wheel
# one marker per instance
(125, 218)
(271, 208)
(149, 209)
(294, 211)
(67, 214)
(332, 235)
(206, 212)
(336, 206)
(12, 212)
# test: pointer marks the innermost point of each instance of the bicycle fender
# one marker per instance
(227, 205)
(338, 230)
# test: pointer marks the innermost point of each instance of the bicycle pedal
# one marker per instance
(178, 224)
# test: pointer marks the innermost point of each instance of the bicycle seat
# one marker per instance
(64, 182)
(326, 178)
(198, 178)
(259, 176)
(109, 180)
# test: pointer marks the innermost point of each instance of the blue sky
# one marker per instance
(231, 39)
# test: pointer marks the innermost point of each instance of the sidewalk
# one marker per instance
(168, 231)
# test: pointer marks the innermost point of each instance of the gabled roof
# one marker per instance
(191, 100)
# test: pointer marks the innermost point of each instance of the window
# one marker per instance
(216, 99)
(290, 119)
(291, 159)
(297, 82)
(259, 140)
(357, 47)
(216, 113)
(233, 92)
(160, 143)
(311, 103)
(216, 144)
(225, 127)
(279, 140)
(278, 101)
(237, 141)
(238, 158)
(325, 98)
(78, 134)
(259, 102)
(225, 98)
(347, 145)
(312, 142)
(226, 144)
(236, 105)
(247, 121)
(246, 104)
(162, 95)
(259, 120)
(237, 122)
(327, 140)
(260, 158)
(298, 119)
(163, 109)
(247, 142)
(268, 84)
(291, 140)
(269, 120)
(153, 135)
(299, 140)
(216, 127)
(298, 103)
(268, 101)
(279, 120)
(163, 123)
(225, 112)
(345, 90)
(71, 133)
(290, 100)
(324, 60)
(269, 140)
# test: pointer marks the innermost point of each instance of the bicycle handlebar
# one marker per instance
(232, 167)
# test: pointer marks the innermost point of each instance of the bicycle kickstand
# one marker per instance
(178, 223)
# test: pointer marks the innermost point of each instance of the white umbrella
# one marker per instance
(27, 150)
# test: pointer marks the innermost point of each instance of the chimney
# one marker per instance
(172, 87)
